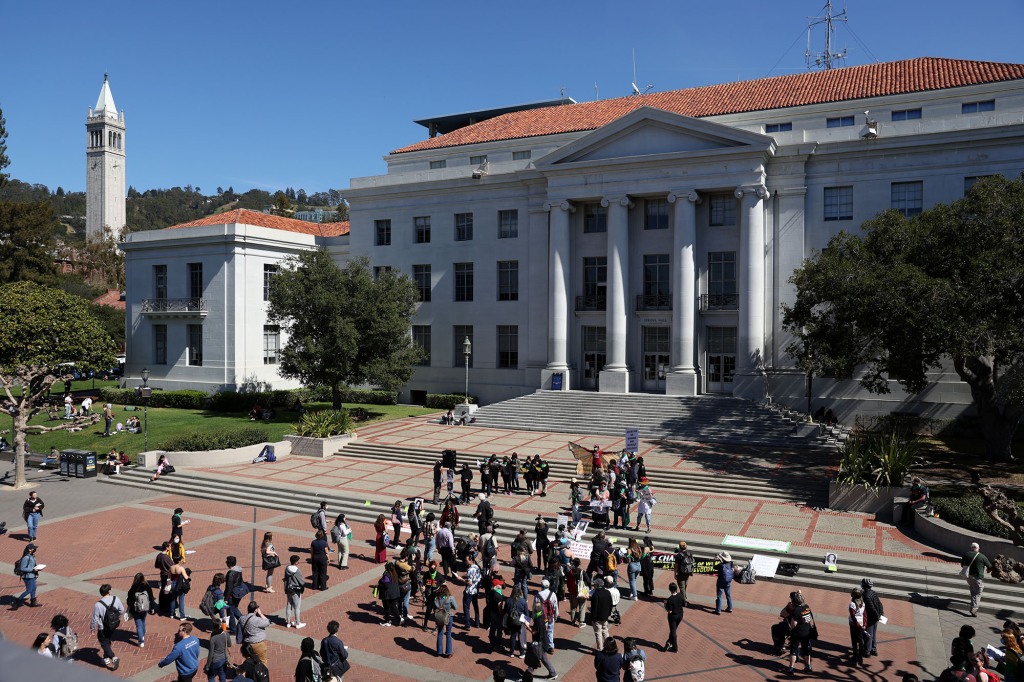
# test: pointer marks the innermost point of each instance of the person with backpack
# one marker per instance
(444, 607)
(522, 568)
(319, 518)
(309, 668)
(106, 617)
(27, 568)
(577, 588)
(547, 602)
(235, 590)
(334, 652)
(635, 661)
(219, 647)
(537, 651)
(214, 602)
(64, 642)
(185, 654)
(140, 605)
(515, 608)
(294, 586)
(341, 534)
(488, 550)
(723, 585)
(252, 669)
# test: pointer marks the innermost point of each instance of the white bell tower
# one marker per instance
(104, 172)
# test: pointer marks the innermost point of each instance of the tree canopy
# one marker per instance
(344, 327)
(910, 294)
(44, 330)
(26, 243)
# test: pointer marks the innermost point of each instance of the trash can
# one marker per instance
(64, 460)
(89, 465)
(77, 465)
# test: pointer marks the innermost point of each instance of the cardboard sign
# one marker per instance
(581, 550)
(633, 440)
(764, 566)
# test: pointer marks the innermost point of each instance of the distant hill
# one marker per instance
(155, 209)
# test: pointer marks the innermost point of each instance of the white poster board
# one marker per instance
(633, 440)
(562, 521)
(581, 550)
(764, 566)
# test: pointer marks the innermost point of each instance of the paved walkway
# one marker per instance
(96, 533)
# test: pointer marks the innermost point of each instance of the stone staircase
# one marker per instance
(704, 419)
(925, 582)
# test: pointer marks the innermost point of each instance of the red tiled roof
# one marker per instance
(836, 85)
(111, 298)
(245, 216)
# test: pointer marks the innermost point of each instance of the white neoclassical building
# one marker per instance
(645, 243)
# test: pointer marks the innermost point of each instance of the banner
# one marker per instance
(667, 561)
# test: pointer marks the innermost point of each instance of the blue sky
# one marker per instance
(310, 94)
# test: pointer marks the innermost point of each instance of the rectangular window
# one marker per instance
(434, 165)
(463, 227)
(268, 275)
(722, 281)
(595, 218)
(839, 203)
(463, 281)
(839, 122)
(271, 344)
(655, 214)
(978, 107)
(906, 114)
(972, 180)
(382, 231)
(159, 281)
(379, 270)
(195, 345)
(159, 344)
(508, 280)
(477, 160)
(908, 197)
(722, 209)
(521, 156)
(421, 275)
(421, 339)
(508, 224)
(461, 332)
(195, 280)
(778, 127)
(595, 283)
(656, 282)
(422, 225)
(508, 346)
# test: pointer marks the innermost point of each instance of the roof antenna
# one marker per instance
(597, 94)
(823, 60)
(636, 90)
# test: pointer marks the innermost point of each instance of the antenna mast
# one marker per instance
(823, 60)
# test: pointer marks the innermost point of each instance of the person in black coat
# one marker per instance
(334, 652)
(319, 548)
(437, 481)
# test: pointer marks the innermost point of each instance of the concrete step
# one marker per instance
(923, 582)
(802, 489)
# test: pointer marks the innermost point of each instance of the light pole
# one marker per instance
(467, 350)
(145, 392)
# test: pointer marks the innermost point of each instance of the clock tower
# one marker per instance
(104, 172)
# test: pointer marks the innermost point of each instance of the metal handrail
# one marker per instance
(174, 305)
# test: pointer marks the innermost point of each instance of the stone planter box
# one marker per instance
(956, 540)
(321, 448)
(858, 498)
(210, 458)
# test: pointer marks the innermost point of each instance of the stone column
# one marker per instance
(749, 380)
(559, 259)
(615, 376)
(683, 378)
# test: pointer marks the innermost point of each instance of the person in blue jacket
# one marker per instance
(185, 654)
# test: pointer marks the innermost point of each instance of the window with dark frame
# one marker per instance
(421, 338)
(508, 224)
(477, 160)
(382, 229)
(195, 280)
(159, 344)
(271, 344)
(839, 122)
(434, 165)
(971, 180)
(595, 218)
(159, 281)
(778, 127)
(839, 203)
(655, 214)
(269, 272)
(722, 280)
(508, 280)
(906, 114)
(908, 197)
(195, 345)
(422, 227)
(521, 155)
(421, 275)
(656, 281)
(508, 346)
(722, 210)
(460, 333)
(463, 281)
(463, 227)
(978, 107)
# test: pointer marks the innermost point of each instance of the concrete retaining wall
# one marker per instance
(958, 540)
(209, 458)
(321, 448)
(859, 499)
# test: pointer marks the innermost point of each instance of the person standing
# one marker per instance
(471, 592)
(294, 586)
(185, 654)
(683, 568)
(633, 659)
(220, 649)
(542, 475)
(608, 662)
(873, 611)
(319, 549)
(309, 666)
(515, 609)
(271, 560)
(163, 563)
(106, 615)
(537, 653)
(68, 404)
(577, 588)
(429, 537)
(254, 632)
(483, 514)
(723, 585)
(802, 630)
(177, 524)
(414, 512)
(29, 571)
(444, 609)
(633, 568)
(108, 418)
(32, 512)
(341, 533)
(334, 652)
(976, 563)
(601, 611)
(858, 622)
(547, 602)
(647, 567)
(674, 608)
(320, 517)
(380, 545)
(646, 506)
(432, 582)
(140, 605)
(396, 523)
(437, 481)
(445, 542)
(234, 583)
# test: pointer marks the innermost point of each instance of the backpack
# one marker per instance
(637, 668)
(489, 549)
(141, 604)
(68, 643)
(241, 590)
(532, 659)
(386, 539)
(294, 583)
(206, 606)
(748, 576)
(611, 563)
(548, 608)
(111, 616)
(336, 535)
(513, 612)
(259, 672)
(441, 614)
(685, 561)
(314, 519)
(17, 568)
(728, 572)
(318, 670)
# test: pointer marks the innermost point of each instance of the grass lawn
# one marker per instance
(166, 422)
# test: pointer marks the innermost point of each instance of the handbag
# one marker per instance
(169, 469)
(966, 570)
(271, 561)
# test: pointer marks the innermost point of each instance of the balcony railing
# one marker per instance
(175, 306)
(711, 302)
(654, 302)
(591, 303)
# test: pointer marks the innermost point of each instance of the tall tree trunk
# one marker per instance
(336, 397)
(20, 444)
(999, 419)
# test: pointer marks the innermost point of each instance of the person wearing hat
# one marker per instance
(29, 570)
(873, 612)
(725, 572)
(546, 600)
(683, 568)
(976, 564)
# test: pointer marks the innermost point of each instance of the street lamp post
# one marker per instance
(145, 392)
(467, 350)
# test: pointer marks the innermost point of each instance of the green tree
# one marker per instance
(26, 242)
(44, 329)
(4, 160)
(911, 295)
(344, 327)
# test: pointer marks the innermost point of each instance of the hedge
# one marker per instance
(225, 440)
(192, 400)
(444, 401)
(963, 508)
(322, 394)
(231, 401)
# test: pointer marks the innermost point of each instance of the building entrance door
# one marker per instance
(721, 359)
(593, 356)
(656, 342)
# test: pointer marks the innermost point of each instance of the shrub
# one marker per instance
(225, 440)
(192, 400)
(877, 460)
(324, 423)
(232, 401)
(963, 507)
(444, 401)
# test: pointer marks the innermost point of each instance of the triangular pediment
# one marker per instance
(648, 132)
